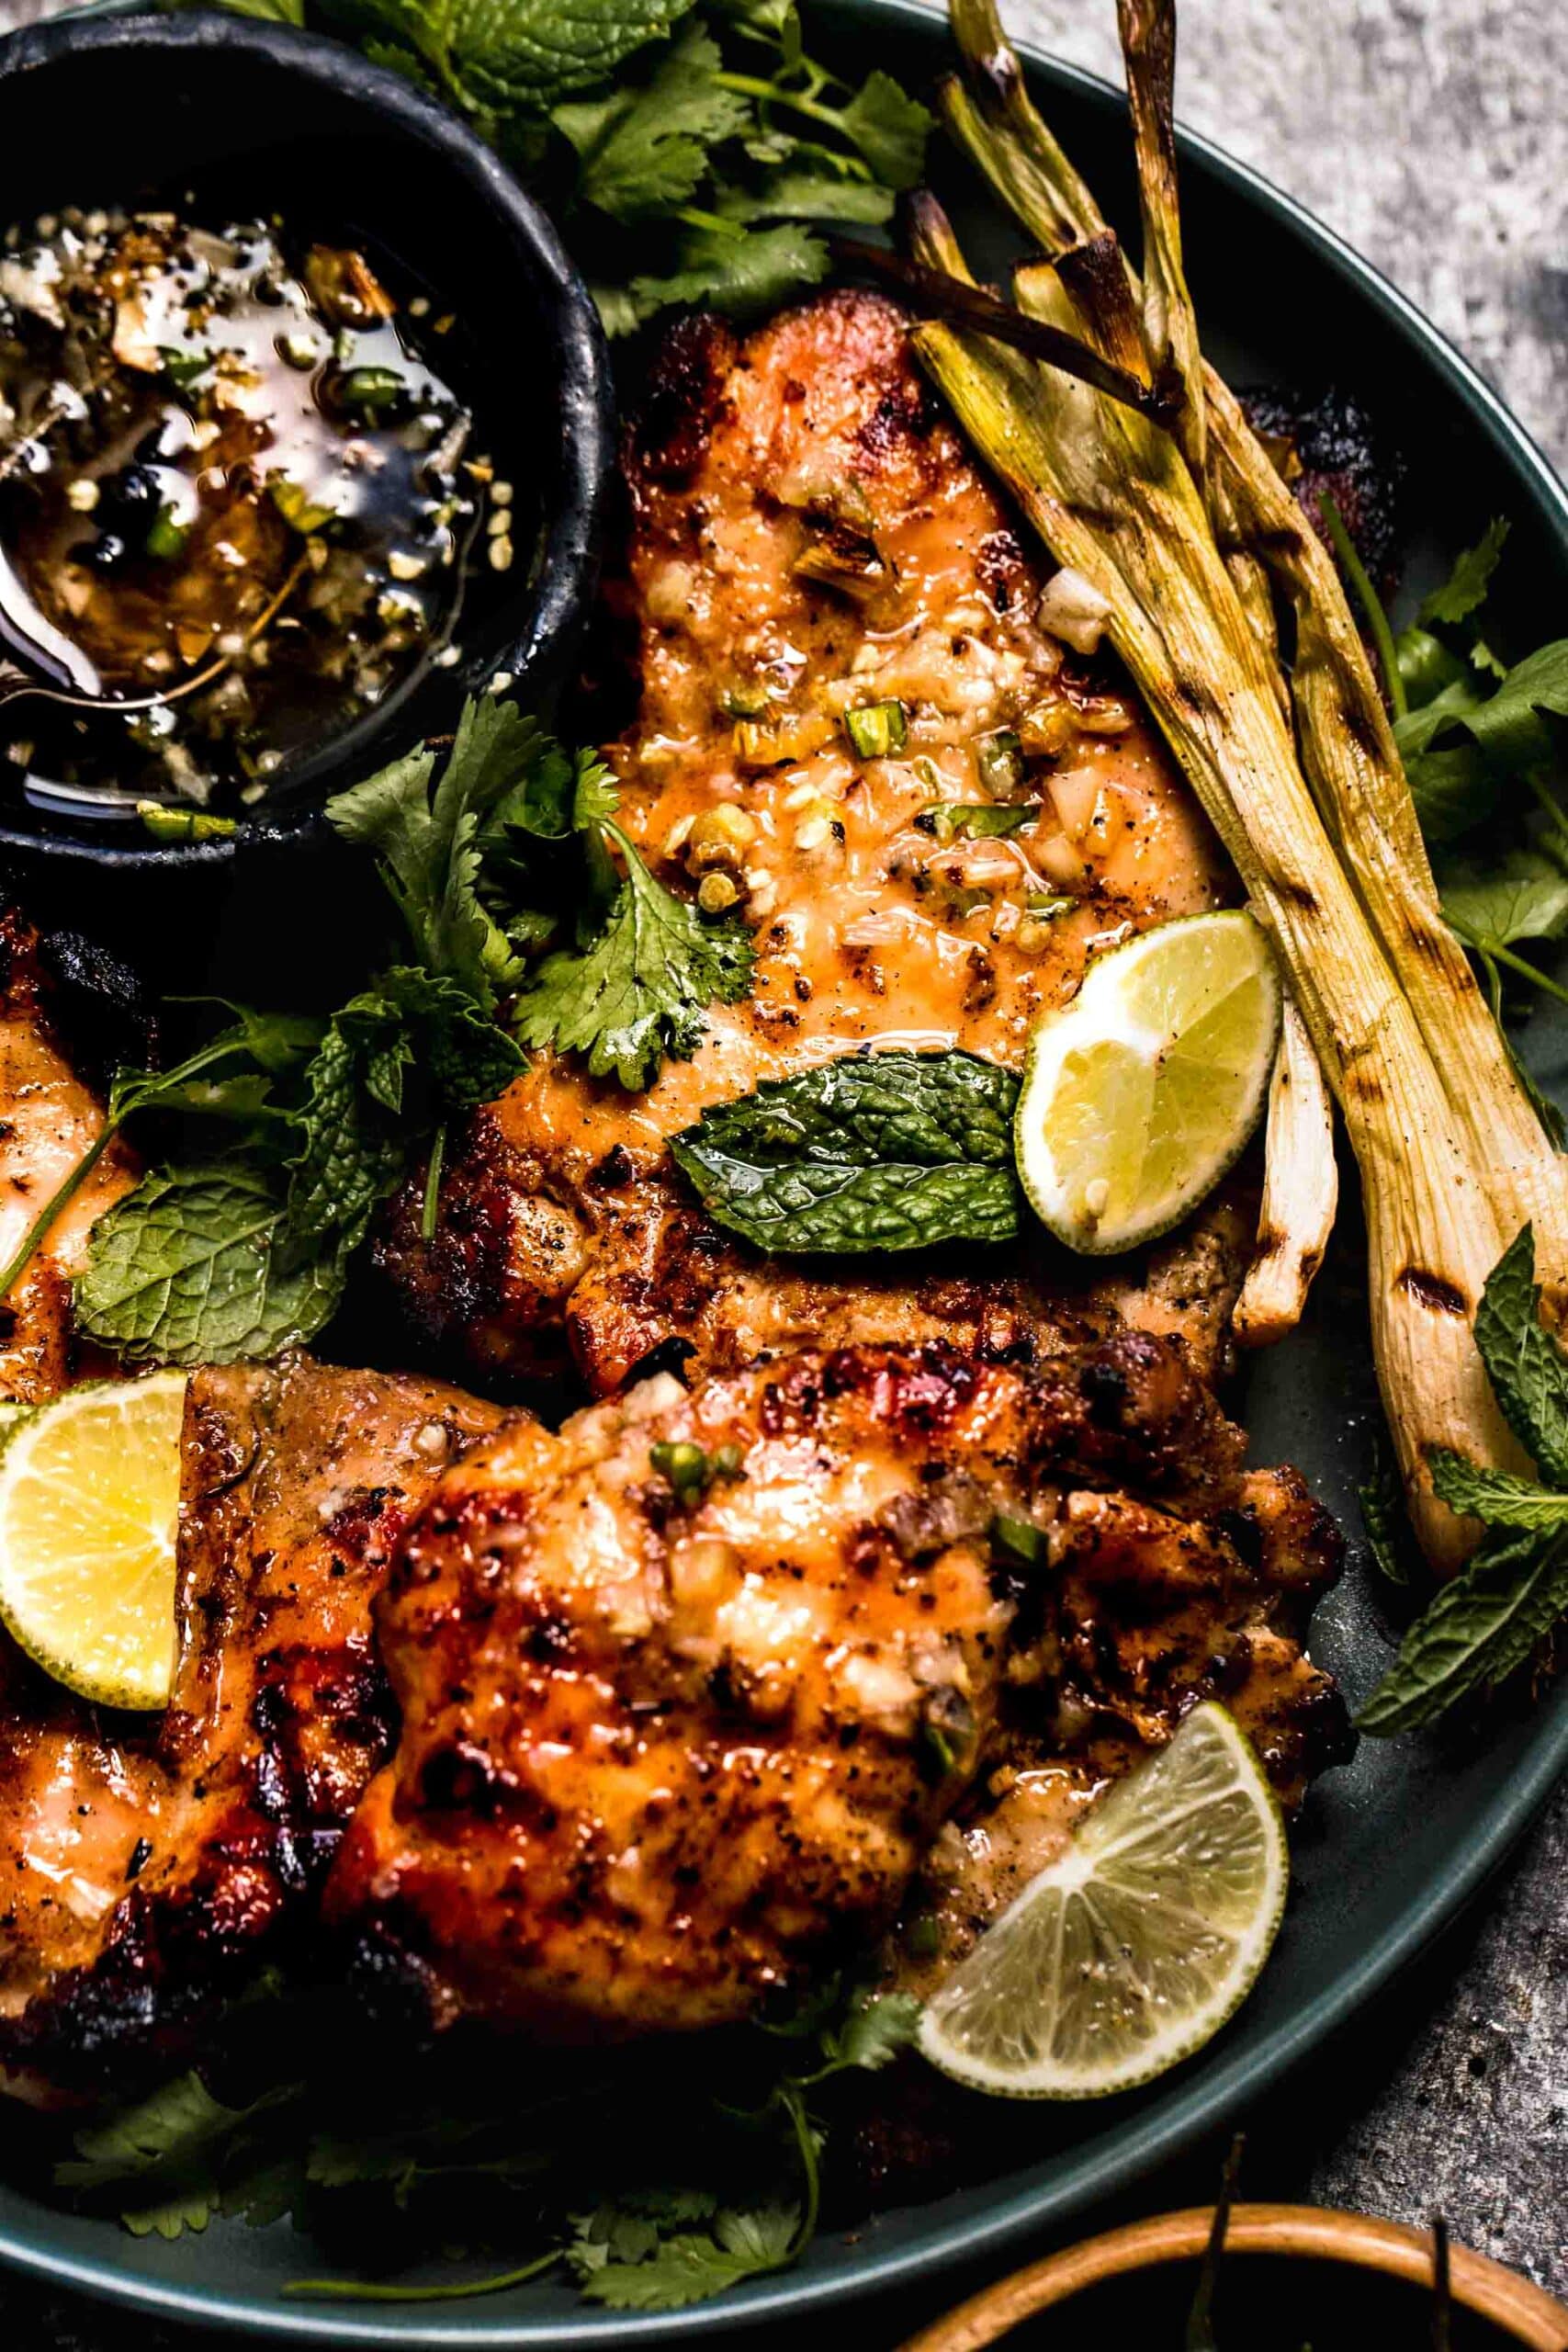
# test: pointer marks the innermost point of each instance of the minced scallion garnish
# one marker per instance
(878, 729)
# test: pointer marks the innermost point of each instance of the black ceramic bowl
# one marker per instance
(116, 109)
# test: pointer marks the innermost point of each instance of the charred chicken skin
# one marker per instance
(809, 537)
(669, 1741)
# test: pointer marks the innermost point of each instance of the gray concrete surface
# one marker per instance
(1433, 134)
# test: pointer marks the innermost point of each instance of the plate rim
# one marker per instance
(1224, 2086)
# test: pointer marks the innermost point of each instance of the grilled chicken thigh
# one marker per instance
(49, 1119)
(687, 1689)
(808, 538)
(147, 1864)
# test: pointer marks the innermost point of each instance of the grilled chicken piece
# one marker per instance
(809, 537)
(49, 1120)
(664, 1750)
(1145, 1615)
(149, 1864)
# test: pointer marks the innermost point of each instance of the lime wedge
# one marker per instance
(1139, 1094)
(89, 1511)
(1136, 1944)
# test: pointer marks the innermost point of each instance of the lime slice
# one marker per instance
(1137, 1943)
(1138, 1095)
(89, 1510)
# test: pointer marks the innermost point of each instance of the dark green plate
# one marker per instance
(1390, 1847)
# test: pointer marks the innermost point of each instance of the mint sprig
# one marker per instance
(1488, 1623)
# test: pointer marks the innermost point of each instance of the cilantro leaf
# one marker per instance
(637, 993)
(768, 20)
(742, 274)
(1525, 897)
(1508, 724)
(1463, 593)
(273, 12)
(877, 2028)
(802, 191)
(629, 2264)
(889, 129)
(1384, 1519)
(1459, 747)
(183, 1271)
(559, 793)
(429, 845)
(646, 151)
(179, 2156)
(179, 2122)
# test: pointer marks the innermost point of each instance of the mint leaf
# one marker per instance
(880, 1151)
(1496, 1496)
(351, 1154)
(1528, 1371)
(182, 1270)
(1463, 745)
(1464, 591)
(627, 2263)
(646, 151)
(877, 2028)
(1383, 1517)
(639, 993)
(356, 1126)
(1479, 1630)
(516, 53)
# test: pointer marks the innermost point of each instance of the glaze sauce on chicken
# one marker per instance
(227, 454)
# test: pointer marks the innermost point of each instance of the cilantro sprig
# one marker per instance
(1490, 1621)
(282, 1134)
(1486, 756)
(429, 2165)
(637, 989)
(690, 153)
